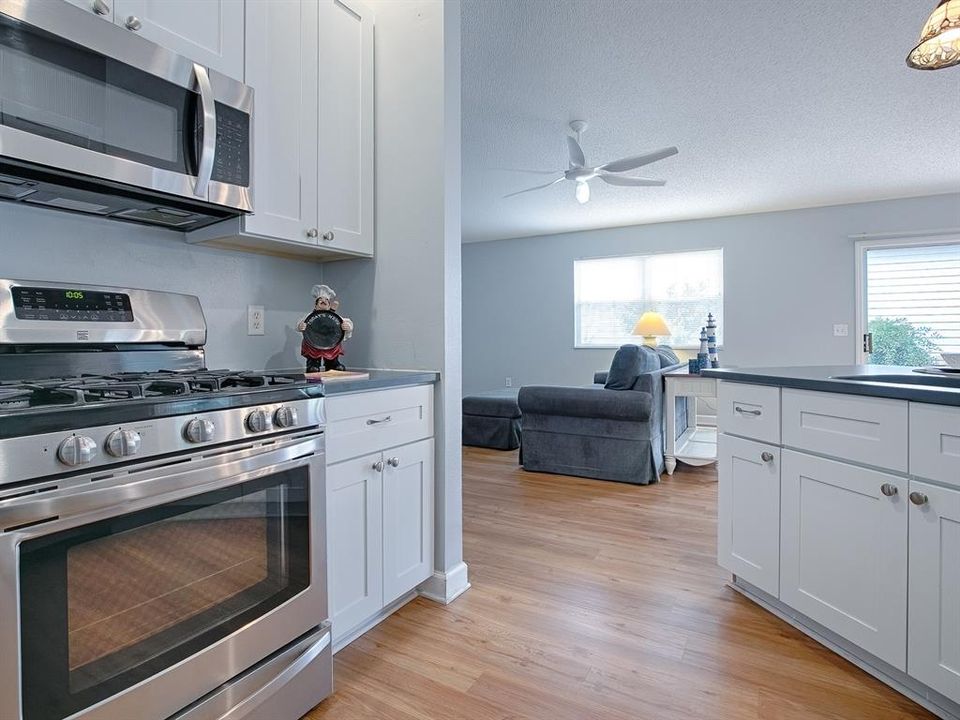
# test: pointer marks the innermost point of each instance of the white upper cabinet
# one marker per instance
(281, 67)
(103, 8)
(209, 32)
(345, 152)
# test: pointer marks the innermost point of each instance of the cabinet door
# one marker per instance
(843, 559)
(748, 512)
(934, 645)
(355, 547)
(407, 518)
(345, 162)
(103, 8)
(208, 32)
(281, 67)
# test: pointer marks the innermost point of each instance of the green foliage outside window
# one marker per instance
(897, 342)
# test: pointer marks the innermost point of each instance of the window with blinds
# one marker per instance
(913, 303)
(610, 295)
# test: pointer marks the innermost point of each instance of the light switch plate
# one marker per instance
(841, 330)
(256, 324)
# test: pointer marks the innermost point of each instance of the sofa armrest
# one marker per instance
(585, 402)
(600, 378)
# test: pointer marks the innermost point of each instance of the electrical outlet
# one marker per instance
(256, 325)
(509, 382)
(841, 330)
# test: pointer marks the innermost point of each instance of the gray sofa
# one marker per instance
(601, 432)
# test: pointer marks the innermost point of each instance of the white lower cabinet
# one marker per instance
(934, 638)
(748, 539)
(407, 518)
(380, 502)
(843, 551)
(355, 540)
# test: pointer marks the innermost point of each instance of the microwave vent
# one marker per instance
(42, 198)
(14, 188)
(160, 216)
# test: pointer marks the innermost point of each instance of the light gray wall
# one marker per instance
(41, 244)
(405, 303)
(788, 277)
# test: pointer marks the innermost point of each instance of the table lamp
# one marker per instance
(650, 325)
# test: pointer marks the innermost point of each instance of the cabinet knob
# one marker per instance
(328, 236)
(378, 466)
(394, 462)
(918, 498)
(889, 489)
(100, 7)
(133, 23)
(766, 456)
(312, 233)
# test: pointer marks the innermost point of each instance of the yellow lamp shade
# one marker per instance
(650, 325)
(939, 45)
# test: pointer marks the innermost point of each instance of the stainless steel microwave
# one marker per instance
(97, 120)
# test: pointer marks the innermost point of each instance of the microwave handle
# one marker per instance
(208, 149)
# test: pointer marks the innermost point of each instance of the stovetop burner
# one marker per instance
(86, 389)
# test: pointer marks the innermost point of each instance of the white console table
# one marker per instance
(697, 445)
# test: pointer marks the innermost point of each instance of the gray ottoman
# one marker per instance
(492, 420)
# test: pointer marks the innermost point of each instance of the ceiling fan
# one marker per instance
(609, 172)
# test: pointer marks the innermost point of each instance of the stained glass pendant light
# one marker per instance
(939, 45)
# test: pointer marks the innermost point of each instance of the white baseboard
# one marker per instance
(445, 587)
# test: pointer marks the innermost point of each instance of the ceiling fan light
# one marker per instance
(583, 192)
(939, 45)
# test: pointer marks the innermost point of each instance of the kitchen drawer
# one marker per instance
(867, 430)
(360, 423)
(751, 411)
(935, 442)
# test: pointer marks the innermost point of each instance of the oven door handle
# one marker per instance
(208, 148)
(44, 515)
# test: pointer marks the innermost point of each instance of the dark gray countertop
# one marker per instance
(889, 381)
(379, 380)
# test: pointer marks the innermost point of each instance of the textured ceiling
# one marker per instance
(773, 105)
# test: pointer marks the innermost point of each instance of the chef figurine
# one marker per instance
(319, 359)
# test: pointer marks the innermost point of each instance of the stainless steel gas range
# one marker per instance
(162, 526)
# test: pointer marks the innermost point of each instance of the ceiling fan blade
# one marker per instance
(527, 170)
(631, 163)
(577, 159)
(630, 181)
(536, 187)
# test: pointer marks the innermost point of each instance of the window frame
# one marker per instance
(577, 345)
(862, 246)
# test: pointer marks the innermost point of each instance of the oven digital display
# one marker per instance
(67, 304)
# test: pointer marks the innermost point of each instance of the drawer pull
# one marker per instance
(889, 489)
(394, 462)
(740, 410)
(380, 421)
(766, 456)
(918, 498)
(378, 466)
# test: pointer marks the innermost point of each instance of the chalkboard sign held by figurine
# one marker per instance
(324, 332)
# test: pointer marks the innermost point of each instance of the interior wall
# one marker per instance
(405, 303)
(788, 277)
(41, 244)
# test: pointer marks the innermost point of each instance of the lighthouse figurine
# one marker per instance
(712, 341)
(703, 356)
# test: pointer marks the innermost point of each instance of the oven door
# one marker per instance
(135, 595)
(79, 94)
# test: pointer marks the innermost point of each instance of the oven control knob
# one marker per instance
(286, 417)
(123, 443)
(77, 450)
(259, 421)
(199, 430)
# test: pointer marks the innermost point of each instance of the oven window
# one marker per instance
(112, 603)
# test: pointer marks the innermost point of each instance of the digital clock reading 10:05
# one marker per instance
(74, 295)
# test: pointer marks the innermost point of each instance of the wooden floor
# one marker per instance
(595, 600)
